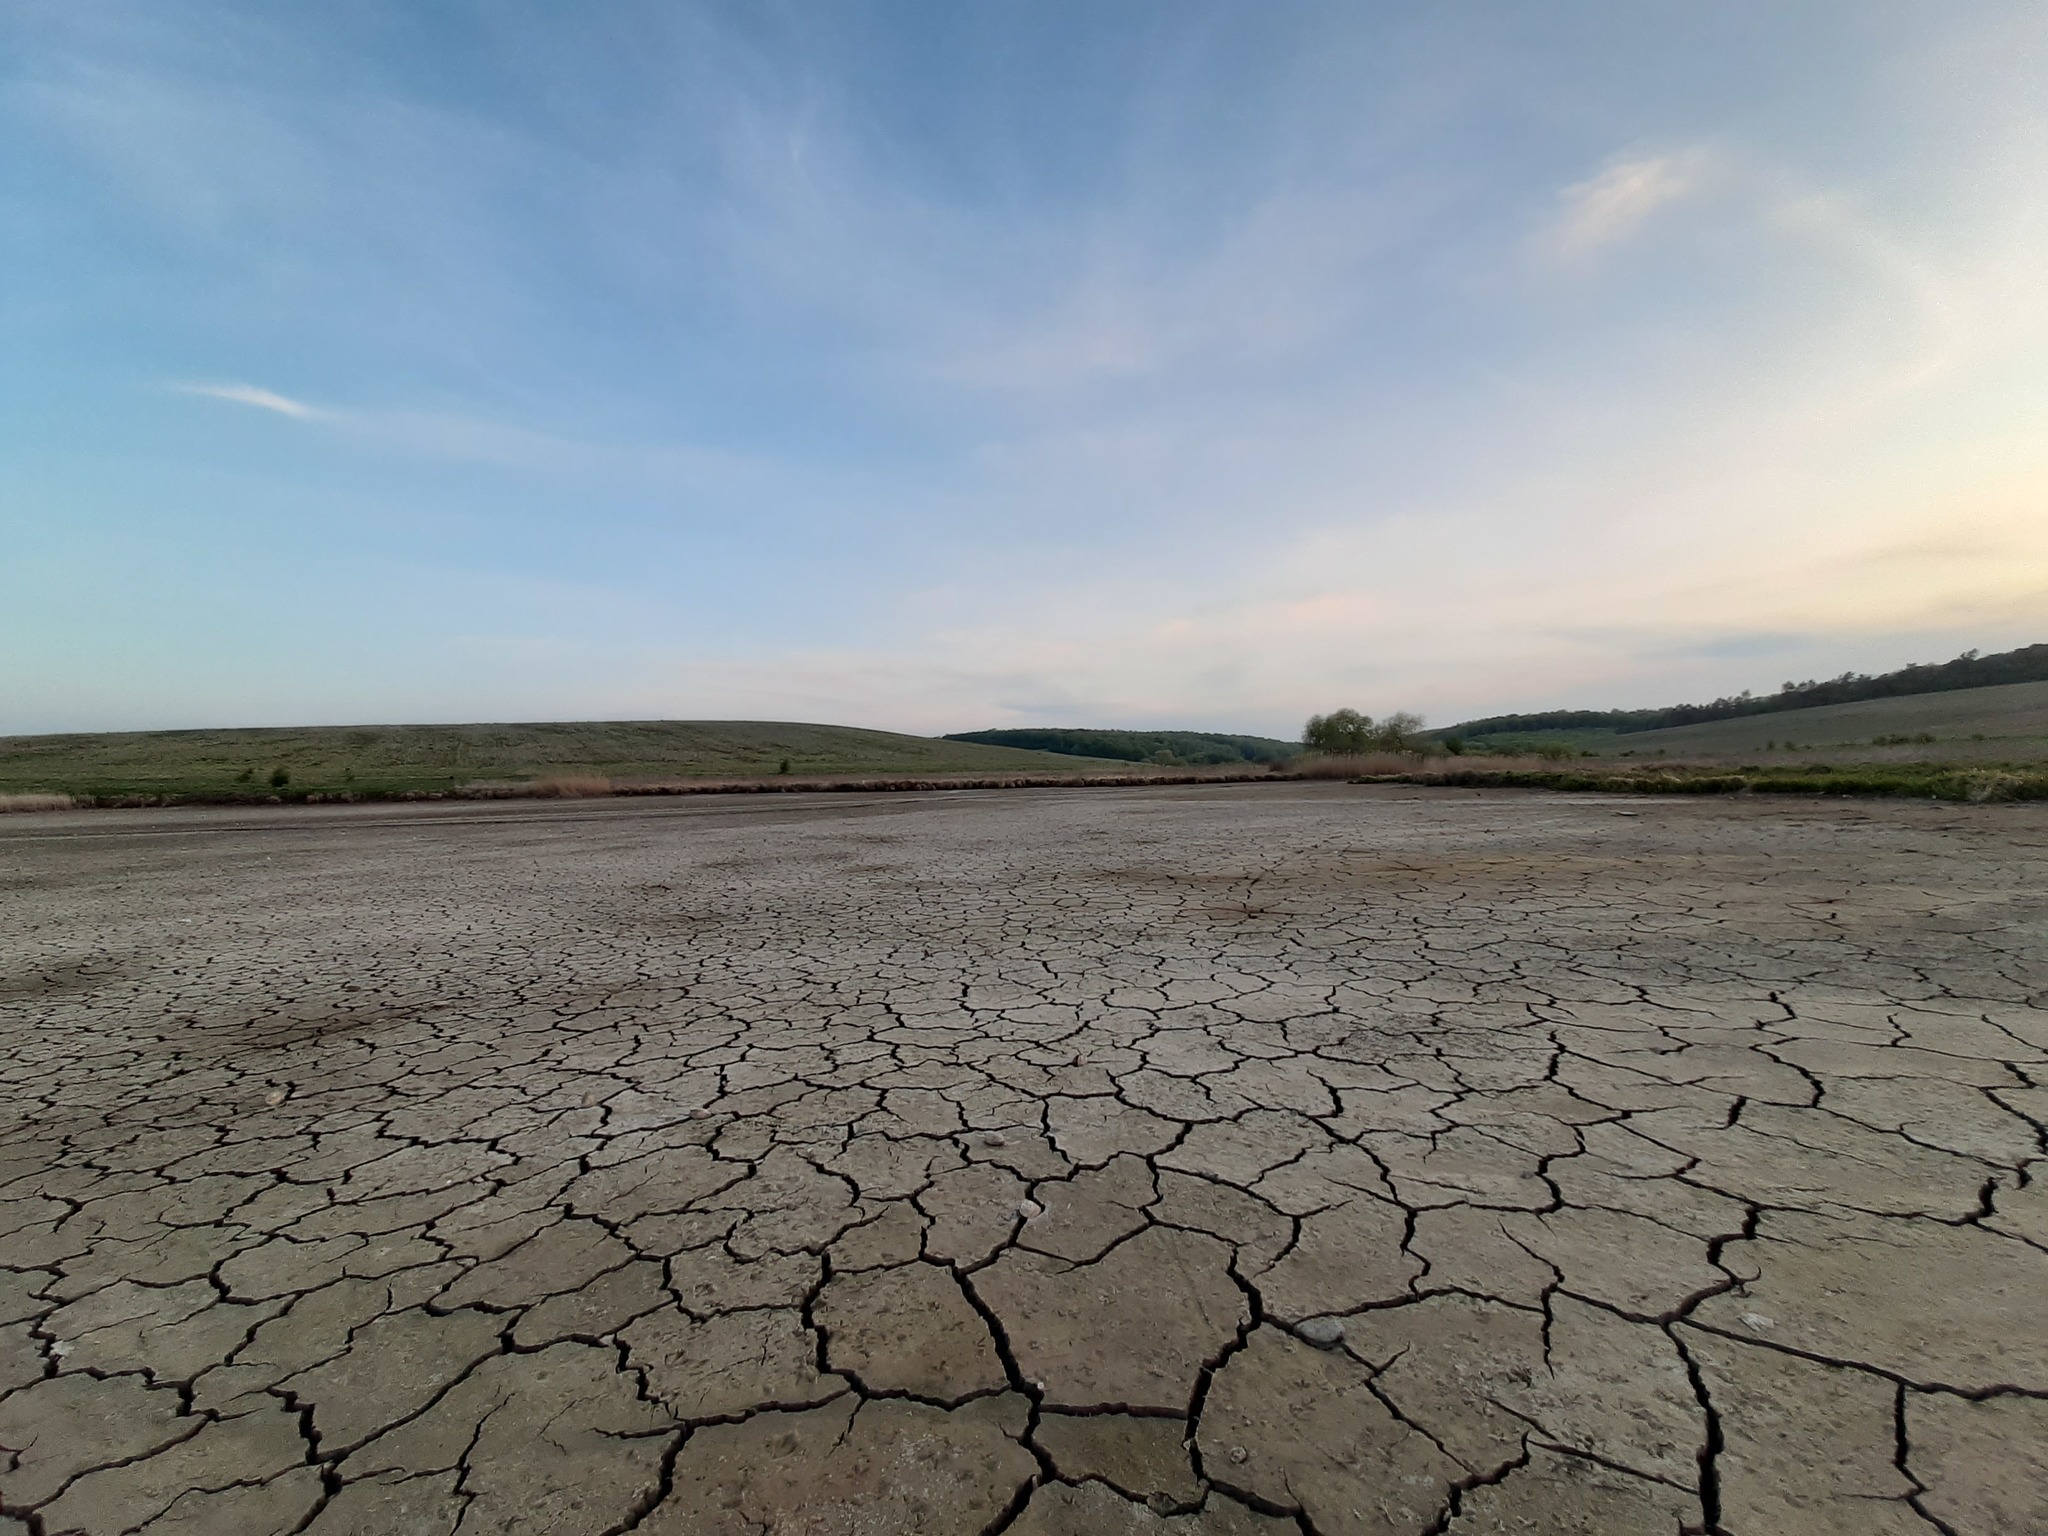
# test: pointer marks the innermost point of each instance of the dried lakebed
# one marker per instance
(1201, 1162)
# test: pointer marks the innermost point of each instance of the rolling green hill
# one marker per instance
(1969, 671)
(388, 758)
(2005, 723)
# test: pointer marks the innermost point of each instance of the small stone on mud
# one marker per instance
(993, 1139)
(1029, 1208)
(1323, 1332)
(1239, 1455)
(1756, 1322)
(700, 1113)
(274, 1098)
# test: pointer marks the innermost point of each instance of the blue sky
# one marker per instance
(949, 365)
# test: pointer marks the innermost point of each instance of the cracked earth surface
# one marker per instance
(1195, 1162)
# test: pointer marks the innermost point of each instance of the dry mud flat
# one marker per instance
(1218, 1162)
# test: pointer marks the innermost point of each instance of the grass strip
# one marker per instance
(584, 789)
(1918, 780)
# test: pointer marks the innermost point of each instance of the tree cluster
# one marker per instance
(1345, 732)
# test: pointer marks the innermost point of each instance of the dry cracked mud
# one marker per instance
(1216, 1161)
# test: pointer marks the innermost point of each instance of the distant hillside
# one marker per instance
(2004, 723)
(368, 758)
(1139, 746)
(1969, 670)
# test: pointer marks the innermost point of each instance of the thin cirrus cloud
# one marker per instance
(252, 395)
(1614, 205)
(503, 444)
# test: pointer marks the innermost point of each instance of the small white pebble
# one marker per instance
(1756, 1322)
(274, 1098)
(1239, 1455)
(61, 1348)
(994, 1139)
(1029, 1208)
(700, 1113)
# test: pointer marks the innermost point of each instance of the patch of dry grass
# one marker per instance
(1350, 765)
(36, 803)
(1991, 784)
(568, 786)
(1929, 781)
(1406, 765)
(1522, 762)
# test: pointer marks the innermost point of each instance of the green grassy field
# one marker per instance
(383, 759)
(2004, 723)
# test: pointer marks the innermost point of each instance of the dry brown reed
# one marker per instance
(1527, 762)
(568, 786)
(771, 784)
(36, 803)
(1352, 765)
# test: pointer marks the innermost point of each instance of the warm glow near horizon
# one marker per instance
(938, 368)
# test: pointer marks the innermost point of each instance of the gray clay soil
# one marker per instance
(1245, 1159)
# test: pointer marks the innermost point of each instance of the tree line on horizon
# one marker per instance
(2027, 664)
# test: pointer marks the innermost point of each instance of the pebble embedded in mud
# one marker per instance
(1323, 1332)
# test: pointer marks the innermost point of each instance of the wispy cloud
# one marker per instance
(480, 440)
(1608, 208)
(262, 399)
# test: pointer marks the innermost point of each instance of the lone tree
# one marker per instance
(1345, 731)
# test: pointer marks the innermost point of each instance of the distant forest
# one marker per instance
(2028, 664)
(1141, 746)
